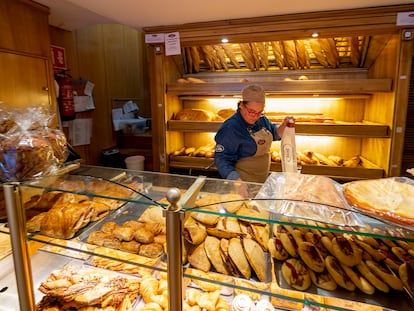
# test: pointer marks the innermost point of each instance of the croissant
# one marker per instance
(149, 288)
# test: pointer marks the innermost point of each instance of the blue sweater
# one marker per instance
(234, 142)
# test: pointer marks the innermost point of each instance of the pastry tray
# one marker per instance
(387, 300)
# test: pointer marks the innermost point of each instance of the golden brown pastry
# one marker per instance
(276, 249)
(256, 257)
(385, 198)
(278, 53)
(195, 56)
(323, 280)
(131, 246)
(238, 257)
(372, 278)
(360, 281)
(338, 274)
(346, 251)
(194, 114)
(198, 258)
(109, 227)
(124, 233)
(212, 248)
(382, 272)
(296, 274)
(152, 250)
(406, 273)
(311, 256)
(144, 236)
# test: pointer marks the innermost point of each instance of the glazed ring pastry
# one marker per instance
(296, 274)
(323, 280)
(338, 274)
(372, 278)
(406, 272)
(311, 256)
(359, 280)
(346, 251)
(383, 273)
(276, 249)
(289, 244)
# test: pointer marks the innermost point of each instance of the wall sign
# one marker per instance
(58, 57)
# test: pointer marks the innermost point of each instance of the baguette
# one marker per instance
(221, 56)
(290, 54)
(278, 53)
(303, 55)
(230, 55)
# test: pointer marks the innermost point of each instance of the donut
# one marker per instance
(311, 256)
(296, 274)
(264, 305)
(338, 274)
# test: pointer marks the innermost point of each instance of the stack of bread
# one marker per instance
(28, 147)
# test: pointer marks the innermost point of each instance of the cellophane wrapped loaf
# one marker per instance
(28, 146)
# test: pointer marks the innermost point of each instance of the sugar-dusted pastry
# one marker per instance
(242, 302)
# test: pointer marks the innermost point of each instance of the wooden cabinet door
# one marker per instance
(24, 81)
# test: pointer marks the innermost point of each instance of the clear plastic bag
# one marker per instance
(28, 147)
(312, 197)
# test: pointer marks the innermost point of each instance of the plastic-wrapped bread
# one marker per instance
(303, 55)
(277, 49)
(355, 54)
(208, 56)
(195, 56)
(230, 55)
(221, 56)
(189, 59)
(263, 53)
(290, 54)
(329, 48)
(247, 55)
(256, 56)
(318, 52)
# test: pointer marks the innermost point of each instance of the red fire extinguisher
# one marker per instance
(65, 99)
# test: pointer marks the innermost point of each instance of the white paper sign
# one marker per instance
(89, 88)
(172, 43)
(154, 38)
(80, 132)
(405, 18)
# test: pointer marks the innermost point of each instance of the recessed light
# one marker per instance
(315, 35)
(224, 40)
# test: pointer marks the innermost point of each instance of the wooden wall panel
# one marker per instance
(113, 57)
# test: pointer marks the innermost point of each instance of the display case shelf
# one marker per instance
(333, 86)
(328, 129)
(264, 211)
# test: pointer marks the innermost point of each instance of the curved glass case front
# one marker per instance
(293, 241)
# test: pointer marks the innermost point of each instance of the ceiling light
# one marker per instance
(315, 35)
(224, 40)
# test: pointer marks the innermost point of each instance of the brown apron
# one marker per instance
(256, 168)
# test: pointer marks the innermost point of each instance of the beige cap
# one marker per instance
(253, 93)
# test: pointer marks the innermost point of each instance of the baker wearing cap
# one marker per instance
(243, 141)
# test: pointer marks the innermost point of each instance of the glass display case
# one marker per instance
(102, 236)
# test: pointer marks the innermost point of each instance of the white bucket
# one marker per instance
(135, 163)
